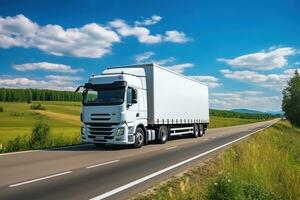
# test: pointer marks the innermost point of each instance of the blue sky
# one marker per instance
(244, 50)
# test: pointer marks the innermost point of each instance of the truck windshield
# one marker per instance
(104, 96)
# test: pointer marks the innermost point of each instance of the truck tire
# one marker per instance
(201, 130)
(139, 138)
(163, 134)
(196, 131)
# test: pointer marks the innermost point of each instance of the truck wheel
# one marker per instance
(139, 138)
(201, 130)
(163, 134)
(196, 132)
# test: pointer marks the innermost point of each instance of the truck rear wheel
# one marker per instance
(163, 134)
(139, 138)
(196, 131)
(201, 130)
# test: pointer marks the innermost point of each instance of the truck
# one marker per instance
(137, 104)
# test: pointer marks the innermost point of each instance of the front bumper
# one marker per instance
(89, 135)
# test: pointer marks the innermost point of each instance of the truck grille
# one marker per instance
(100, 129)
(100, 117)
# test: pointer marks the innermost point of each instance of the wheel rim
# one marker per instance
(139, 138)
(196, 132)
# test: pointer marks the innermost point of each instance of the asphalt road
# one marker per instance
(84, 172)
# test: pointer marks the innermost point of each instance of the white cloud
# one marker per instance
(272, 81)
(166, 61)
(16, 31)
(255, 100)
(265, 60)
(50, 82)
(149, 21)
(144, 36)
(175, 36)
(92, 40)
(144, 56)
(210, 81)
(180, 68)
(46, 66)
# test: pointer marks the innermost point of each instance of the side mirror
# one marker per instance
(134, 96)
(78, 88)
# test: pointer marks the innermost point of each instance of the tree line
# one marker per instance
(28, 95)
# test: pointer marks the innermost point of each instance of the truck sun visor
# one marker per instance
(116, 84)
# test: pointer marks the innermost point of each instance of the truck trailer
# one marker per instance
(137, 104)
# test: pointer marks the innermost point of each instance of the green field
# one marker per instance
(63, 118)
(265, 166)
(18, 119)
(217, 122)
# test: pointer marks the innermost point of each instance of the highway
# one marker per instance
(84, 172)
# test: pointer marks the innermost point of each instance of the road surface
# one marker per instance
(84, 172)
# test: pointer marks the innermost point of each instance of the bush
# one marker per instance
(226, 187)
(37, 107)
(17, 144)
(1, 109)
(40, 135)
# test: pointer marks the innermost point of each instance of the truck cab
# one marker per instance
(114, 107)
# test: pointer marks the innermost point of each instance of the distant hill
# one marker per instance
(248, 111)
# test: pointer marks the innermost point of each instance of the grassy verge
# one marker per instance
(265, 166)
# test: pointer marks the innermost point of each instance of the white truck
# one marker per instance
(136, 104)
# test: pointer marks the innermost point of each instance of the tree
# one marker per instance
(291, 100)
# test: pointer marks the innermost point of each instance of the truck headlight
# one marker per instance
(120, 131)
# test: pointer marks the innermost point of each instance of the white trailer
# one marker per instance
(137, 104)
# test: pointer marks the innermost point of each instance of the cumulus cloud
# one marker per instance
(210, 81)
(49, 82)
(149, 21)
(180, 68)
(46, 66)
(144, 36)
(265, 60)
(272, 81)
(144, 56)
(17, 31)
(176, 36)
(92, 40)
(255, 100)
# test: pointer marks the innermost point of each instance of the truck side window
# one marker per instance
(129, 95)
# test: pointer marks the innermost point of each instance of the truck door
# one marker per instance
(132, 104)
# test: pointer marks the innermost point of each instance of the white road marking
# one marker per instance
(55, 148)
(173, 147)
(138, 181)
(101, 164)
(40, 179)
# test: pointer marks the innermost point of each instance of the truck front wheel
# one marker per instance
(139, 138)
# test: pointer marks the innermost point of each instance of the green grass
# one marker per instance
(217, 122)
(265, 166)
(12, 126)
